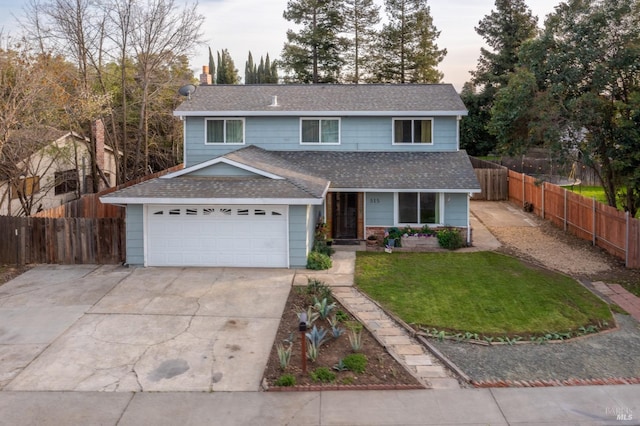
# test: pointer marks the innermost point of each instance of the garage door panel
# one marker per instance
(217, 236)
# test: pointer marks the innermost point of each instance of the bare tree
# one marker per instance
(162, 33)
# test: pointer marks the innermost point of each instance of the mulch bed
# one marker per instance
(382, 372)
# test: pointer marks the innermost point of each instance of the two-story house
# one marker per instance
(264, 164)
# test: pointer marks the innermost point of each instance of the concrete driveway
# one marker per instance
(111, 328)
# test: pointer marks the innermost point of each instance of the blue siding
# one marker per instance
(379, 209)
(283, 133)
(455, 209)
(300, 234)
(135, 234)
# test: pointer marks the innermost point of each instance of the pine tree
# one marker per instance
(312, 55)
(407, 52)
(361, 17)
(504, 30)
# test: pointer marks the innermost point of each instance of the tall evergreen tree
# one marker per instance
(361, 17)
(227, 72)
(312, 55)
(504, 30)
(212, 67)
(250, 75)
(407, 52)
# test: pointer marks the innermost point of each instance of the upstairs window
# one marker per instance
(66, 181)
(320, 130)
(221, 130)
(412, 130)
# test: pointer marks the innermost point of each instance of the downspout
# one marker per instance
(469, 219)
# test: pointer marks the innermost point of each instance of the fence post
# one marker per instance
(565, 210)
(543, 184)
(626, 243)
(594, 221)
(524, 198)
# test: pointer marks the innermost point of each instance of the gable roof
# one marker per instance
(304, 177)
(323, 100)
(390, 171)
(275, 181)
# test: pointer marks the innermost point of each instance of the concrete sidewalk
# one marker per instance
(593, 405)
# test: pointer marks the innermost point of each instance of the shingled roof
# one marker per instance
(323, 99)
(304, 177)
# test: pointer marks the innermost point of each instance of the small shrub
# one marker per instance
(450, 238)
(286, 380)
(341, 316)
(323, 375)
(318, 261)
(319, 289)
(323, 247)
(355, 362)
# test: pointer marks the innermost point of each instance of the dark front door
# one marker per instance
(345, 215)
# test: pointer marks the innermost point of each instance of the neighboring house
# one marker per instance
(264, 164)
(43, 167)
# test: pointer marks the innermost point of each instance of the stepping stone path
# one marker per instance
(400, 344)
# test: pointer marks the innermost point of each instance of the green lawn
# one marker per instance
(590, 192)
(485, 293)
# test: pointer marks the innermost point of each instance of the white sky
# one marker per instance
(258, 26)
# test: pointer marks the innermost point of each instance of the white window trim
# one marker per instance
(393, 131)
(225, 119)
(320, 119)
(396, 210)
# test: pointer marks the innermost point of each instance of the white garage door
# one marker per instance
(249, 236)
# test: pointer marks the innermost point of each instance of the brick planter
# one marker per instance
(420, 242)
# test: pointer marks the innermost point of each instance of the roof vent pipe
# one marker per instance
(274, 101)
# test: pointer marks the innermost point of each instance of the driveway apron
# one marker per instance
(139, 329)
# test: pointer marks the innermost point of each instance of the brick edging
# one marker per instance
(316, 388)
(554, 383)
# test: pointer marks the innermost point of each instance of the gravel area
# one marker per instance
(612, 354)
(606, 355)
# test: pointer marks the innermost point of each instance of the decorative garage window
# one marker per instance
(413, 130)
(216, 211)
(224, 130)
(418, 208)
(320, 130)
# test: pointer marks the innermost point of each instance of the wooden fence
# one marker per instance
(493, 180)
(90, 206)
(603, 225)
(25, 240)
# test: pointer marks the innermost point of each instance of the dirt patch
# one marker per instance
(7, 272)
(382, 368)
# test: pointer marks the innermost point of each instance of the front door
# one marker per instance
(344, 215)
